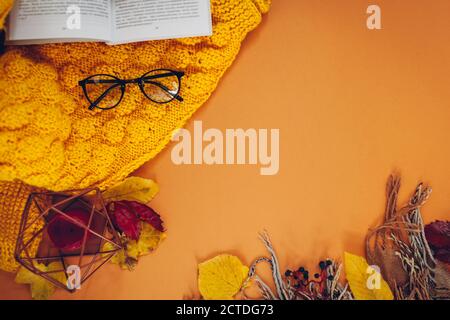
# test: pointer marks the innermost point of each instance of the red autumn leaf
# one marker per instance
(146, 214)
(438, 234)
(442, 255)
(124, 218)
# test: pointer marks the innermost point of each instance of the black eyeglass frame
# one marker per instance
(140, 81)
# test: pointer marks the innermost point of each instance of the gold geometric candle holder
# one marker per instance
(69, 228)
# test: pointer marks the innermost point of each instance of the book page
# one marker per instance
(139, 20)
(53, 20)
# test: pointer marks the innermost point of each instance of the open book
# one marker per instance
(110, 21)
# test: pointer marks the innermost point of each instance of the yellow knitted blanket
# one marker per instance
(48, 137)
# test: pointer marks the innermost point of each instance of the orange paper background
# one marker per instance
(352, 106)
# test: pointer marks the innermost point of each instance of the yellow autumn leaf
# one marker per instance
(132, 189)
(119, 257)
(41, 289)
(149, 240)
(221, 277)
(365, 282)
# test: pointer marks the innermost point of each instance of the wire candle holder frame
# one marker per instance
(34, 246)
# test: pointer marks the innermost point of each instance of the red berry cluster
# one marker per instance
(301, 281)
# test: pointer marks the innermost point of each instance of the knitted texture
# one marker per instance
(48, 137)
(13, 197)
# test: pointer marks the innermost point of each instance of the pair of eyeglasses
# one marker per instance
(105, 91)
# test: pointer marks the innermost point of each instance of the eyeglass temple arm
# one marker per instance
(179, 74)
(156, 76)
(89, 81)
(100, 98)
